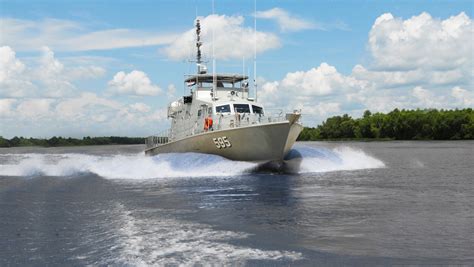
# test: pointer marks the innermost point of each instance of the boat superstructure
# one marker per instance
(241, 128)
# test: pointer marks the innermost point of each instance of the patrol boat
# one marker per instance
(219, 117)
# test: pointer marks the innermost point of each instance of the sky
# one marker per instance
(101, 68)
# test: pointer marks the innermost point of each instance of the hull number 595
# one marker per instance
(222, 142)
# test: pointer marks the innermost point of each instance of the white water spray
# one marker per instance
(139, 166)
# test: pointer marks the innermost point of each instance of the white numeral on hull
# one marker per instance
(222, 142)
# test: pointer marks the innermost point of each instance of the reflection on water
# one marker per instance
(358, 203)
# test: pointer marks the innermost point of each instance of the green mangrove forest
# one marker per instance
(60, 141)
(419, 124)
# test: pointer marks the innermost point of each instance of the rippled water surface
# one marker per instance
(379, 203)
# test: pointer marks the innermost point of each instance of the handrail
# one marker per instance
(244, 120)
(160, 138)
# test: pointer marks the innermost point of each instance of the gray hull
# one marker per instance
(259, 143)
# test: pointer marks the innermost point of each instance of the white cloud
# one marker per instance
(389, 79)
(51, 74)
(86, 72)
(322, 80)
(322, 109)
(426, 98)
(419, 51)
(415, 61)
(13, 82)
(401, 78)
(323, 91)
(383, 102)
(159, 115)
(285, 21)
(464, 97)
(86, 103)
(231, 39)
(424, 73)
(9, 64)
(66, 35)
(140, 107)
(133, 83)
(318, 92)
(171, 91)
(116, 38)
(49, 77)
(421, 94)
(87, 114)
(34, 108)
(99, 118)
(6, 107)
(53, 105)
(54, 72)
(269, 94)
(89, 106)
(421, 42)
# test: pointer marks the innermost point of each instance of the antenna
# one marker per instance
(214, 89)
(198, 43)
(255, 49)
(243, 74)
(195, 5)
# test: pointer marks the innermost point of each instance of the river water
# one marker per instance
(348, 203)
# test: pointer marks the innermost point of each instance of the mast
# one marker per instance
(255, 49)
(198, 43)
(214, 89)
(198, 53)
(243, 75)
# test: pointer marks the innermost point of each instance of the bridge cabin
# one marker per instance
(224, 98)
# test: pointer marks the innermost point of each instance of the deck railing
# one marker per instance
(161, 138)
(229, 122)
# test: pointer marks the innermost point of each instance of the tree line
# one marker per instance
(60, 141)
(419, 124)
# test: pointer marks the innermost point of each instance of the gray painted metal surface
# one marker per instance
(259, 143)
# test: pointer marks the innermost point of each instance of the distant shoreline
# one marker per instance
(368, 140)
(397, 125)
(70, 142)
(419, 124)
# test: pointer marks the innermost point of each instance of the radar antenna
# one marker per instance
(201, 68)
(255, 49)
(198, 42)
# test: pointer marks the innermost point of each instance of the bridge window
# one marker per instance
(257, 109)
(242, 108)
(223, 108)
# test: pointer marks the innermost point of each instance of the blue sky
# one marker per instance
(77, 68)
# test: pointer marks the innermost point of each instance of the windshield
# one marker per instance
(257, 110)
(218, 84)
(223, 108)
(242, 108)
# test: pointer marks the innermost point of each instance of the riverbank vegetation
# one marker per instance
(60, 141)
(420, 124)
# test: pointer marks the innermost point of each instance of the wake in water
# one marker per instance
(143, 241)
(134, 166)
(139, 166)
(338, 159)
